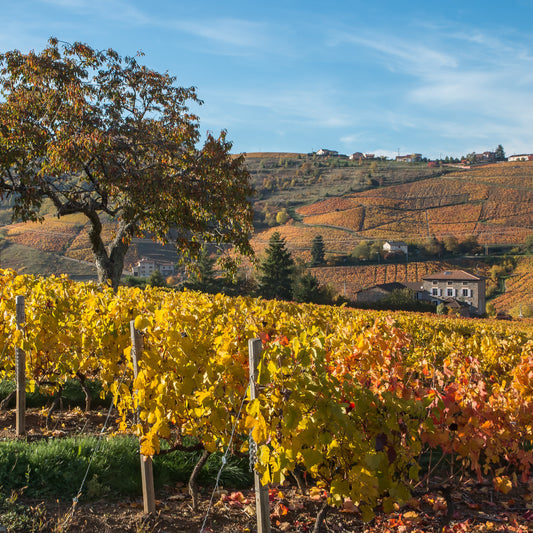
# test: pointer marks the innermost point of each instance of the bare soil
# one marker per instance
(472, 506)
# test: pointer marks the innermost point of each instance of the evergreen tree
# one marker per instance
(306, 289)
(203, 276)
(276, 270)
(317, 251)
(500, 153)
(156, 280)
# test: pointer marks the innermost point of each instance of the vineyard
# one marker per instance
(518, 289)
(358, 402)
(493, 203)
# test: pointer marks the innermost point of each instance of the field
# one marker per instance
(492, 203)
(518, 289)
(363, 404)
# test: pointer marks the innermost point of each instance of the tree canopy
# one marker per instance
(102, 135)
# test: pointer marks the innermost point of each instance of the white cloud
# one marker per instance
(230, 31)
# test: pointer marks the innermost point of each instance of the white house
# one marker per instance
(520, 157)
(146, 267)
(395, 247)
(325, 152)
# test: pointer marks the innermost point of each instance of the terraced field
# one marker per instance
(494, 203)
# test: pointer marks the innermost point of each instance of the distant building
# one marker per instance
(520, 157)
(376, 293)
(488, 157)
(410, 158)
(395, 247)
(485, 157)
(459, 285)
(146, 267)
(324, 152)
(359, 156)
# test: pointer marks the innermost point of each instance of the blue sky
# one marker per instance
(437, 78)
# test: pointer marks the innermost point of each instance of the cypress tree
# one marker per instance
(317, 251)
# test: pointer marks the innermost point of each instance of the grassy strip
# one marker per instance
(55, 468)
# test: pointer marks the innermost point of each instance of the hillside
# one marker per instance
(343, 201)
(494, 203)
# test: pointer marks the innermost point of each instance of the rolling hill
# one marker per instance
(343, 201)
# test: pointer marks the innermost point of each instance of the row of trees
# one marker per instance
(433, 247)
(277, 276)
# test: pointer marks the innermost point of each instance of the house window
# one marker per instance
(465, 292)
(435, 292)
(435, 282)
(465, 282)
(450, 282)
(449, 292)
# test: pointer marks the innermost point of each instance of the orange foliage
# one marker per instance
(491, 202)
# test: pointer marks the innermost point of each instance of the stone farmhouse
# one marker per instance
(461, 291)
(457, 285)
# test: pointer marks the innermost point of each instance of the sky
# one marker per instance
(382, 77)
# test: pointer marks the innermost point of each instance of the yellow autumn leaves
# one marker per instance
(351, 397)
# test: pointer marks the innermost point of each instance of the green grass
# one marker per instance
(55, 468)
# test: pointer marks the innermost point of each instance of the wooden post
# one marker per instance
(261, 492)
(147, 472)
(20, 372)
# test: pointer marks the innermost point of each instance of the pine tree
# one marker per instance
(317, 251)
(306, 289)
(276, 270)
(500, 153)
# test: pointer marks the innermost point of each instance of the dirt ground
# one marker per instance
(472, 506)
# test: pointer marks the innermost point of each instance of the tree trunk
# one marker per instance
(193, 485)
(4, 404)
(86, 391)
(320, 517)
(297, 475)
(109, 264)
(54, 406)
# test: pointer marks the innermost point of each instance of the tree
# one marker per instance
(375, 250)
(499, 154)
(157, 279)
(528, 244)
(451, 244)
(433, 247)
(104, 136)
(306, 289)
(202, 277)
(361, 252)
(276, 270)
(282, 217)
(318, 251)
(470, 245)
